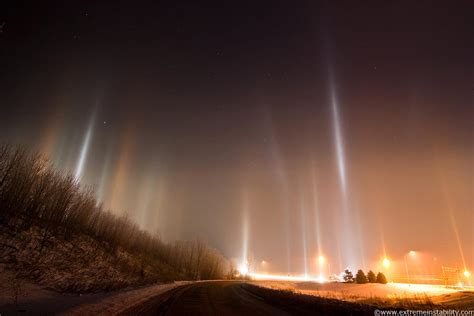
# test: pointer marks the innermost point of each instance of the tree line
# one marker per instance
(362, 278)
(32, 192)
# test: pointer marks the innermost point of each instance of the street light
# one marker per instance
(244, 268)
(321, 260)
(467, 274)
(386, 263)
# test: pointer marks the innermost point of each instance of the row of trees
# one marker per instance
(361, 278)
(32, 192)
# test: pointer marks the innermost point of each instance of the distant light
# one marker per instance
(321, 260)
(430, 289)
(263, 262)
(301, 278)
(412, 253)
(386, 263)
(467, 274)
(244, 269)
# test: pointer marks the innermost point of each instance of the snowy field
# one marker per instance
(438, 294)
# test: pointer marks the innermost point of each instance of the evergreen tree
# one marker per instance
(360, 277)
(371, 276)
(348, 277)
(381, 278)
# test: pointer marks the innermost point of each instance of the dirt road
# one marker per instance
(233, 298)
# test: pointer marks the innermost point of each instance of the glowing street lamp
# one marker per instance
(244, 268)
(321, 260)
(467, 274)
(386, 263)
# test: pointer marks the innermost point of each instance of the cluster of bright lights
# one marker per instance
(423, 288)
(321, 260)
(244, 271)
(276, 277)
(412, 253)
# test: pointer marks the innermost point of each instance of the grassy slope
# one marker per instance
(80, 264)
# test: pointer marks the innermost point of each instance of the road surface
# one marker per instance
(206, 298)
(226, 298)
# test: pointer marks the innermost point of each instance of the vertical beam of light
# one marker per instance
(50, 139)
(448, 204)
(155, 220)
(348, 239)
(340, 262)
(282, 180)
(85, 148)
(245, 230)
(63, 151)
(341, 165)
(456, 234)
(347, 233)
(359, 237)
(104, 177)
(303, 235)
(317, 219)
(382, 240)
(120, 174)
(378, 206)
(147, 187)
(149, 193)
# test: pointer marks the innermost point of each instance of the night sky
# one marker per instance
(275, 131)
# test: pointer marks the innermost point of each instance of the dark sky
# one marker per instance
(216, 119)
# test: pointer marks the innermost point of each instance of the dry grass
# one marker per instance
(412, 302)
(309, 304)
(376, 295)
(342, 303)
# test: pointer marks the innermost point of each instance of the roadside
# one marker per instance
(117, 303)
(32, 299)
